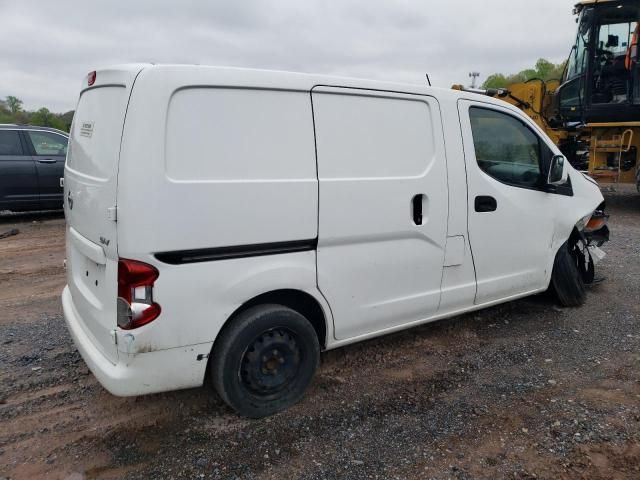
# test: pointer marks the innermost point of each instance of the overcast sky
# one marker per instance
(48, 47)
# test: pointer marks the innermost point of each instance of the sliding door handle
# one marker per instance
(484, 203)
(416, 208)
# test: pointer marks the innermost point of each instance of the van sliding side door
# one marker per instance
(383, 207)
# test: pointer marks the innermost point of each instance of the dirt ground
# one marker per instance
(524, 390)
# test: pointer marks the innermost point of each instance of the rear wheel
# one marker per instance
(567, 280)
(264, 360)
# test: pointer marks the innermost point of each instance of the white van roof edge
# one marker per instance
(264, 78)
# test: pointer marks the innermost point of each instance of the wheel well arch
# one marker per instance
(574, 236)
(298, 300)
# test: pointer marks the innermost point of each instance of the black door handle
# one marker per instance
(485, 204)
(416, 207)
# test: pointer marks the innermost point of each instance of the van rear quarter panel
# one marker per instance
(208, 163)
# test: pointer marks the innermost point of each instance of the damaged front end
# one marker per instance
(590, 234)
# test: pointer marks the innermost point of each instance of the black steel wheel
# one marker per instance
(264, 360)
(271, 362)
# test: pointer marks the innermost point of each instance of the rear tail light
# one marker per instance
(135, 294)
(91, 78)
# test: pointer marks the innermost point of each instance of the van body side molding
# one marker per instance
(180, 257)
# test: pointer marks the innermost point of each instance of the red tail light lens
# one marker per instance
(135, 294)
(91, 78)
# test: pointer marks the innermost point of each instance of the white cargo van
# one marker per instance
(234, 223)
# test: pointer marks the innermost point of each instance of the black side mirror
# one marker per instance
(558, 171)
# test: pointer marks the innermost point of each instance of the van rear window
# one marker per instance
(96, 131)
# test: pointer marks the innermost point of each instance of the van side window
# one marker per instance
(10, 143)
(506, 149)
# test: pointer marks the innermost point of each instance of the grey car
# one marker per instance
(31, 166)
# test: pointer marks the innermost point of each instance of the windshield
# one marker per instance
(577, 59)
(615, 56)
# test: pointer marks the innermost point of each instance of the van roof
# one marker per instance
(274, 79)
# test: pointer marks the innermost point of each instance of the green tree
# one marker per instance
(44, 118)
(5, 113)
(11, 111)
(496, 80)
(67, 118)
(544, 70)
(14, 104)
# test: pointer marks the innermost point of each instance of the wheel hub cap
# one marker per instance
(271, 362)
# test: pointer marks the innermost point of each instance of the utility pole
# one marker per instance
(474, 76)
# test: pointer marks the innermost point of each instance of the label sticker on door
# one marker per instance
(86, 129)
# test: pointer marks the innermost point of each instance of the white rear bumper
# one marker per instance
(142, 373)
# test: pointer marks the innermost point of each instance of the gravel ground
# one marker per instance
(524, 390)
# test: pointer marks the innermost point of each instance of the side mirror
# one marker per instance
(558, 172)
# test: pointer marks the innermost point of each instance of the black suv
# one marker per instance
(31, 166)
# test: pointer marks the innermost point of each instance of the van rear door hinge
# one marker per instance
(112, 213)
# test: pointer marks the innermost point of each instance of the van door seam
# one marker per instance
(466, 179)
(315, 147)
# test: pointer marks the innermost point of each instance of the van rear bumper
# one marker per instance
(141, 373)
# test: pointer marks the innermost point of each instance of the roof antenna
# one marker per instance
(428, 79)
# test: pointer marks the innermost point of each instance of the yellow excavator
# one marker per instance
(593, 112)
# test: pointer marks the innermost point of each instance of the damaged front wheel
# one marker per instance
(567, 280)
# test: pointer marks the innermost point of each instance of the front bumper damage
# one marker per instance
(586, 247)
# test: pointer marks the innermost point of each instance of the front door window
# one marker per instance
(506, 149)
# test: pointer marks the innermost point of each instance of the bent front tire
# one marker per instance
(566, 279)
(264, 360)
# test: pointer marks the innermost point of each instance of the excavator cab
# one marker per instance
(593, 113)
(601, 82)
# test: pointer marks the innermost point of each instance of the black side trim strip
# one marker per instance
(240, 251)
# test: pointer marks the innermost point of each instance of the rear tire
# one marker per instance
(264, 360)
(566, 279)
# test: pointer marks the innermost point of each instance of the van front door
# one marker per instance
(511, 214)
(382, 207)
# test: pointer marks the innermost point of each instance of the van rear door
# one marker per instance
(91, 175)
